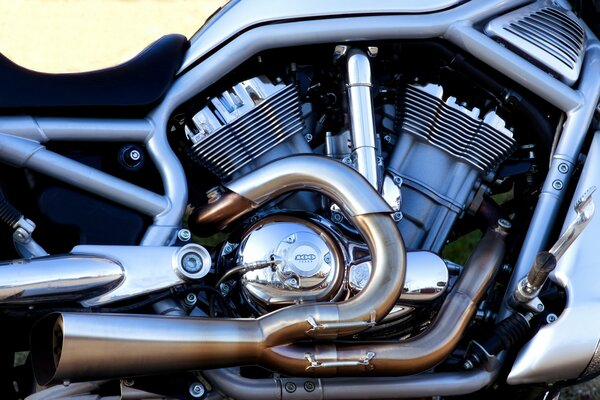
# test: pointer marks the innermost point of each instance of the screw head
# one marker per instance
(191, 262)
(397, 180)
(550, 318)
(397, 216)
(135, 155)
(557, 184)
(290, 387)
(197, 390)
(540, 307)
(308, 137)
(387, 139)
(563, 168)
(224, 288)
(504, 223)
(337, 218)
(191, 299)
(309, 386)
(128, 382)
(468, 365)
(347, 160)
(184, 235)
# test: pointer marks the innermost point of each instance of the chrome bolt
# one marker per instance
(190, 299)
(135, 155)
(224, 288)
(387, 139)
(540, 307)
(197, 390)
(468, 365)
(290, 387)
(184, 235)
(563, 168)
(372, 51)
(128, 382)
(337, 217)
(191, 262)
(228, 248)
(504, 223)
(291, 239)
(550, 318)
(397, 216)
(309, 386)
(347, 160)
(327, 258)
(557, 184)
(308, 137)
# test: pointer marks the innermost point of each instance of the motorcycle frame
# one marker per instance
(22, 138)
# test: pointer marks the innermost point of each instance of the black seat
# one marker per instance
(133, 87)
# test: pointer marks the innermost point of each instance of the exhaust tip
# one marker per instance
(46, 346)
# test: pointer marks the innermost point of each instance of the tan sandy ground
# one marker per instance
(78, 35)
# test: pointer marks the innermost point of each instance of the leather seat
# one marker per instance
(131, 88)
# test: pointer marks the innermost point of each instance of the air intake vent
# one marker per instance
(483, 143)
(547, 34)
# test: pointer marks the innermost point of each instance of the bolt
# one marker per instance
(228, 248)
(190, 299)
(224, 288)
(308, 137)
(387, 139)
(468, 365)
(191, 262)
(557, 184)
(563, 168)
(550, 318)
(184, 235)
(128, 382)
(397, 216)
(135, 155)
(337, 217)
(291, 239)
(290, 387)
(372, 51)
(397, 180)
(540, 307)
(504, 223)
(309, 386)
(347, 160)
(197, 390)
(327, 258)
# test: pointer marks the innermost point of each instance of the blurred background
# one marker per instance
(82, 35)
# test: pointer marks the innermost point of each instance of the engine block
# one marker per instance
(444, 150)
(244, 123)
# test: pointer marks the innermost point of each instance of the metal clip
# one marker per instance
(364, 362)
(326, 326)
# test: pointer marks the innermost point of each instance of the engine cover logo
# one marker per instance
(305, 257)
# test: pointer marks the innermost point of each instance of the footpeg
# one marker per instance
(529, 287)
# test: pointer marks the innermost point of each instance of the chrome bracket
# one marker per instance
(327, 326)
(362, 362)
(23, 240)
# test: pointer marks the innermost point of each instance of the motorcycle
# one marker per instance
(309, 200)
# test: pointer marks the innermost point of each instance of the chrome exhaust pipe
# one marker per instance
(94, 346)
(57, 278)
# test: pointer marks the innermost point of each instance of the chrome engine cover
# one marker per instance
(310, 262)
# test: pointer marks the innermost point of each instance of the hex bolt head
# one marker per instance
(557, 184)
(540, 307)
(309, 386)
(191, 262)
(290, 387)
(563, 168)
(197, 390)
(550, 318)
(184, 235)
(191, 299)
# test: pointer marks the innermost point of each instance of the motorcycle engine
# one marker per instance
(435, 163)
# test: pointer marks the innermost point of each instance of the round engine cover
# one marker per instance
(309, 262)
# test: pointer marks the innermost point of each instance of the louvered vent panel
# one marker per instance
(545, 33)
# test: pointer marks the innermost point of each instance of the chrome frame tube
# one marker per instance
(26, 153)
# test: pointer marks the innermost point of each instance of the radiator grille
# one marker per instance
(235, 145)
(459, 134)
(549, 35)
